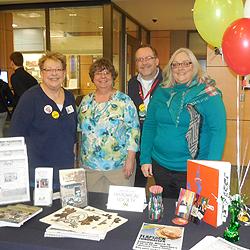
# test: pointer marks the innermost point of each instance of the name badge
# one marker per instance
(69, 109)
(142, 111)
(84, 108)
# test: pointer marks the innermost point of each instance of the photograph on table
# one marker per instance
(184, 204)
(198, 209)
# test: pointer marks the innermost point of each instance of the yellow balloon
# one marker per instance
(212, 17)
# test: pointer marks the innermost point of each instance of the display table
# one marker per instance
(30, 235)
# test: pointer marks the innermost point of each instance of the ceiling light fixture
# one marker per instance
(29, 15)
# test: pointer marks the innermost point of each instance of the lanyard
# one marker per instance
(149, 92)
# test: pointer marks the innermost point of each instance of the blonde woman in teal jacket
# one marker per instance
(186, 119)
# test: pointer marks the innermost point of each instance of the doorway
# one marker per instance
(132, 45)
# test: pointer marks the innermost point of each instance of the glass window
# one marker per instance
(144, 36)
(29, 37)
(117, 20)
(129, 64)
(29, 30)
(31, 64)
(77, 33)
(132, 28)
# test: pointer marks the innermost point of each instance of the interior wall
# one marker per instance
(178, 39)
(160, 40)
(226, 81)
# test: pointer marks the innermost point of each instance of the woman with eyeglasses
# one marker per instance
(186, 119)
(46, 116)
(109, 125)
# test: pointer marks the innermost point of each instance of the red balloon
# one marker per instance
(236, 46)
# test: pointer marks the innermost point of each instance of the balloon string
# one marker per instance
(238, 131)
(222, 57)
(245, 175)
(243, 161)
(243, 85)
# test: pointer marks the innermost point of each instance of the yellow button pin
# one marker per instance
(55, 114)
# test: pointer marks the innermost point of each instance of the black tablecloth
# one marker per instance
(31, 235)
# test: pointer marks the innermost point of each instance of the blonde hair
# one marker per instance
(168, 78)
(56, 56)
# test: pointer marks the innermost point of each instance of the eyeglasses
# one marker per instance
(102, 73)
(144, 59)
(53, 70)
(184, 64)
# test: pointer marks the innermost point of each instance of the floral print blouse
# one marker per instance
(109, 130)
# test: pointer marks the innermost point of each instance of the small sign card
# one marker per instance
(43, 191)
(126, 198)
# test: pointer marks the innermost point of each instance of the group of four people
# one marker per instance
(178, 112)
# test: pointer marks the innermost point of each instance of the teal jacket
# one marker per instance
(164, 140)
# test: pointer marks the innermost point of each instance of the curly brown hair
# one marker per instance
(100, 65)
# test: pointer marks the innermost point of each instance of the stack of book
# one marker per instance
(87, 223)
(14, 173)
(17, 215)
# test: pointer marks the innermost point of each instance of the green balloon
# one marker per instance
(212, 17)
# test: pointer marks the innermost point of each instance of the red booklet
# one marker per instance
(210, 179)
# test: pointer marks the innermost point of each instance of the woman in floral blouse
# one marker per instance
(110, 131)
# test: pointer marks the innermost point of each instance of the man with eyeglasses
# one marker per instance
(140, 89)
(21, 80)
